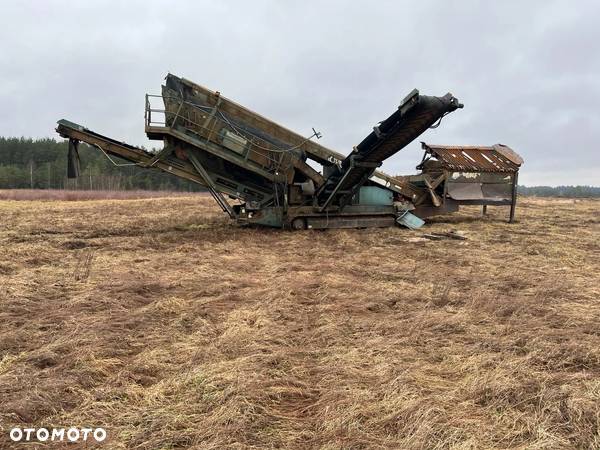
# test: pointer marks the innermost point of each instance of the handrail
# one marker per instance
(261, 150)
(244, 133)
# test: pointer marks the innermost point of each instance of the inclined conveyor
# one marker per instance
(415, 115)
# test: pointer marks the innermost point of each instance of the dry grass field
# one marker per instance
(159, 321)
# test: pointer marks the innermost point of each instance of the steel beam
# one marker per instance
(211, 185)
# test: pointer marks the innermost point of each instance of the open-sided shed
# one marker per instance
(473, 175)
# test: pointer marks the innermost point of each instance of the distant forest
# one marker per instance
(42, 164)
(560, 191)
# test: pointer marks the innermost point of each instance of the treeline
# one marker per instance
(42, 164)
(560, 191)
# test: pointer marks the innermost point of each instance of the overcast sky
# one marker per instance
(527, 72)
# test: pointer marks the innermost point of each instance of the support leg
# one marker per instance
(211, 186)
(73, 164)
(513, 204)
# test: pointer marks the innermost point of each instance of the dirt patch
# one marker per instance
(74, 245)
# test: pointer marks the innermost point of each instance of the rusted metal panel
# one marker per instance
(497, 158)
(423, 211)
(480, 186)
(465, 191)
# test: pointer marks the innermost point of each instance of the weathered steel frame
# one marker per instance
(139, 156)
(221, 201)
(211, 148)
(256, 144)
(166, 162)
(199, 152)
(313, 150)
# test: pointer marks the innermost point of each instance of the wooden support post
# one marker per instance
(513, 204)
(484, 210)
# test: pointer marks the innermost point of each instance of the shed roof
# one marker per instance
(464, 158)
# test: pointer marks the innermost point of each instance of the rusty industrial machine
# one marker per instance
(279, 178)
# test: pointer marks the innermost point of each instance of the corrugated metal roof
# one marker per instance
(464, 158)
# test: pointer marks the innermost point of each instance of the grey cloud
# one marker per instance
(526, 71)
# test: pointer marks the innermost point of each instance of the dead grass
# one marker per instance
(159, 321)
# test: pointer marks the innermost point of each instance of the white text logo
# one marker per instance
(72, 434)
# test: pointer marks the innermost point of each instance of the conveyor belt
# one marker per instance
(166, 160)
(75, 133)
(415, 114)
